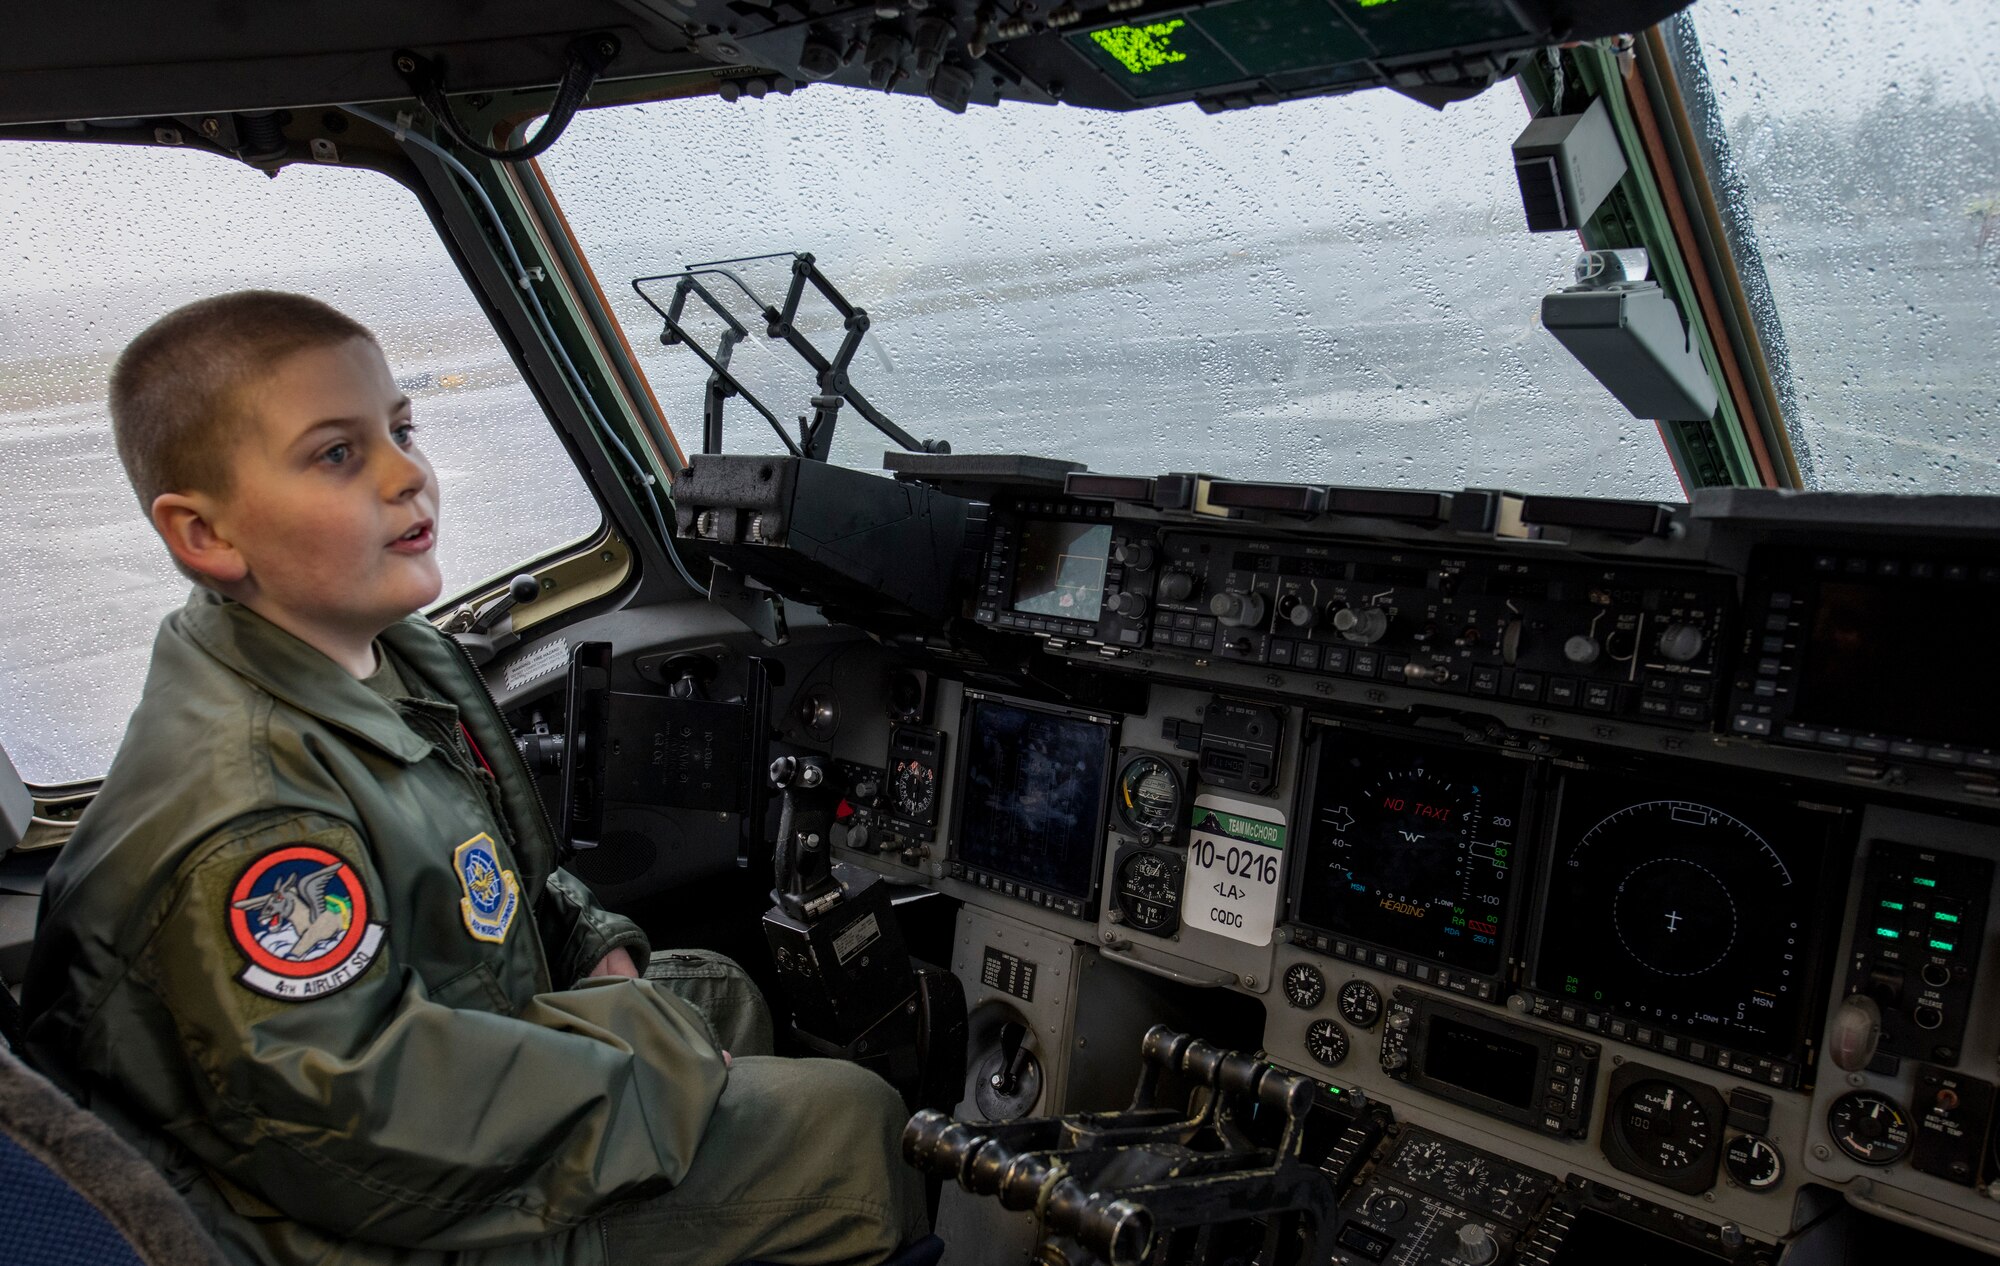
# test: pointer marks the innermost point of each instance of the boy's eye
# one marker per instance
(337, 455)
(405, 434)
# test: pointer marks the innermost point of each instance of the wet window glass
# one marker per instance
(1340, 290)
(1866, 140)
(98, 242)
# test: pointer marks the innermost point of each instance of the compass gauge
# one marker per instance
(1304, 986)
(1326, 1042)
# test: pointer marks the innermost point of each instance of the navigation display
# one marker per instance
(1060, 571)
(1691, 909)
(1411, 846)
(1033, 788)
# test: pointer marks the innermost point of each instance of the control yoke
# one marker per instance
(1152, 1183)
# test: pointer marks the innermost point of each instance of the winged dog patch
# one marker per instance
(300, 915)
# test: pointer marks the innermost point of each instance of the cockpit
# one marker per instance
(1341, 632)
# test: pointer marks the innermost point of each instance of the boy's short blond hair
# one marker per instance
(177, 391)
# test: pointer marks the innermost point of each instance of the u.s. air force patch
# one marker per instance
(492, 895)
(300, 915)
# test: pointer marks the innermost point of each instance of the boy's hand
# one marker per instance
(617, 963)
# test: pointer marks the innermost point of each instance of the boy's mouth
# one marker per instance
(417, 540)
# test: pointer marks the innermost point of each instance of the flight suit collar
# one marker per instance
(303, 677)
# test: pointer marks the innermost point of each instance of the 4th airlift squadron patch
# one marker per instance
(492, 895)
(300, 916)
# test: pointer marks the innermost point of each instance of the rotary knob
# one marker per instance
(1298, 612)
(1176, 586)
(1476, 1246)
(1581, 650)
(1137, 555)
(1365, 625)
(1129, 604)
(1681, 642)
(1238, 609)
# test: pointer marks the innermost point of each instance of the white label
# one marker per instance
(552, 657)
(857, 938)
(1235, 860)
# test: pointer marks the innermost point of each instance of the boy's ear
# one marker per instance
(186, 524)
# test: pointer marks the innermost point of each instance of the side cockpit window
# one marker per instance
(98, 242)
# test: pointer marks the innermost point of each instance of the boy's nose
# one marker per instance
(407, 473)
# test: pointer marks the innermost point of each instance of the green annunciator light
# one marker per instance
(1924, 883)
(1892, 905)
(1889, 934)
(1142, 48)
(1942, 917)
(1946, 946)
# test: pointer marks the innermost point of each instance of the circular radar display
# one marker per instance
(1412, 846)
(1696, 915)
(1148, 890)
(1148, 797)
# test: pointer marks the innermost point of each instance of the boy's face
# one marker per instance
(330, 506)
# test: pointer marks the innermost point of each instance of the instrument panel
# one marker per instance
(1541, 841)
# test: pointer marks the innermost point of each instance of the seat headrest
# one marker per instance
(16, 805)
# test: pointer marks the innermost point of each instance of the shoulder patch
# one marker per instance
(492, 895)
(300, 915)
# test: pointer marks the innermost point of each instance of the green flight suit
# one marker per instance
(319, 963)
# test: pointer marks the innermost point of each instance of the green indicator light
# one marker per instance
(1946, 946)
(1142, 48)
(1889, 933)
(1892, 905)
(1371, 4)
(1942, 917)
(1924, 883)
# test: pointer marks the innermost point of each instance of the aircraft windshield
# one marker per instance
(1867, 148)
(1341, 291)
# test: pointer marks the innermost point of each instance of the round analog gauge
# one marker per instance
(1754, 1162)
(912, 790)
(1147, 891)
(1466, 1179)
(1304, 986)
(1359, 1004)
(1869, 1127)
(1149, 797)
(1508, 1196)
(1664, 1127)
(1423, 1158)
(1326, 1042)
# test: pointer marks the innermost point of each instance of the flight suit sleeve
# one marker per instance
(331, 1086)
(578, 932)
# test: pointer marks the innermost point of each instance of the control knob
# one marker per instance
(1856, 1029)
(1137, 555)
(1476, 1246)
(1365, 625)
(1581, 649)
(1238, 609)
(1131, 604)
(1681, 642)
(1176, 586)
(1300, 613)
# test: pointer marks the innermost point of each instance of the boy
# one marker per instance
(309, 947)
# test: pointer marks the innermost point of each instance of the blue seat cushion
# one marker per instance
(48, 1222)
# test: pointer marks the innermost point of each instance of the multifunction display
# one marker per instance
(1030, 812)
(1060, 569)
(1413, 847)
(1685, 918)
